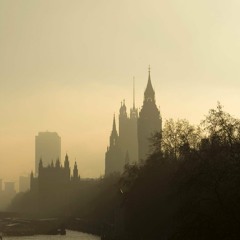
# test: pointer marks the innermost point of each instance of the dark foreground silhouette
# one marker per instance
(188, 188)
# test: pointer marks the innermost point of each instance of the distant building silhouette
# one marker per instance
(47, 148)
(132, 143)
(10, 187)
(114, 161)
(24, 183)
(54, 185)
(7, 194)
(9, 190)
(149, 120)
(128, 132)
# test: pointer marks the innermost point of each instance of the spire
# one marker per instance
(133, 110)
(114, 129)
(133, 92)
(114, 134)
(149, 93)
(149, 71)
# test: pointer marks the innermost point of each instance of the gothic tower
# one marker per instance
(133, 131)
(75, 177)
(149, 120)
(128, 131)
(114, 160)
(132, 143)
(123, 128)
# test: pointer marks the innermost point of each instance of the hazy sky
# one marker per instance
(65, 66)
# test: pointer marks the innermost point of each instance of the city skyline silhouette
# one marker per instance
(68, 71)
(120, 119)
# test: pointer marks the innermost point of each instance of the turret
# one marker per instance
(75, 171)
(123, 122)
(123, 110)
(66, 167)
(66, 162)
(114, 135)
(113, 158)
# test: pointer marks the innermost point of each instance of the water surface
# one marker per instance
(71, 235)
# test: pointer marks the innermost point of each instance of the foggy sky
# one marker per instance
(66, 65)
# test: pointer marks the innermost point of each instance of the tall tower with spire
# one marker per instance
(128, 130)
(114, 161)
(132, 143)
(149, 120)
(133, 131)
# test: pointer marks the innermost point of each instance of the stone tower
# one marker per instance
(123, 128)
(114, 160)
(135, 131)
(149, 120)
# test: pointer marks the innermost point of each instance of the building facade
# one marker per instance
(47, 148)
(132, 143)
(55, 185)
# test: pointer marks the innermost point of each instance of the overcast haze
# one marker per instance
(65, 66)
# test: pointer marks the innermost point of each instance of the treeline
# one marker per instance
(188, 187)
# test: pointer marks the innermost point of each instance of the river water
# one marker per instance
(71, 235)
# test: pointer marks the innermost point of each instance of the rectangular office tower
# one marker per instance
(47, 148)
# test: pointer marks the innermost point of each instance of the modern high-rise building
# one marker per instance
(132, 143)
(47, 148)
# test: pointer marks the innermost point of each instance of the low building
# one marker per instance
(54, 186)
